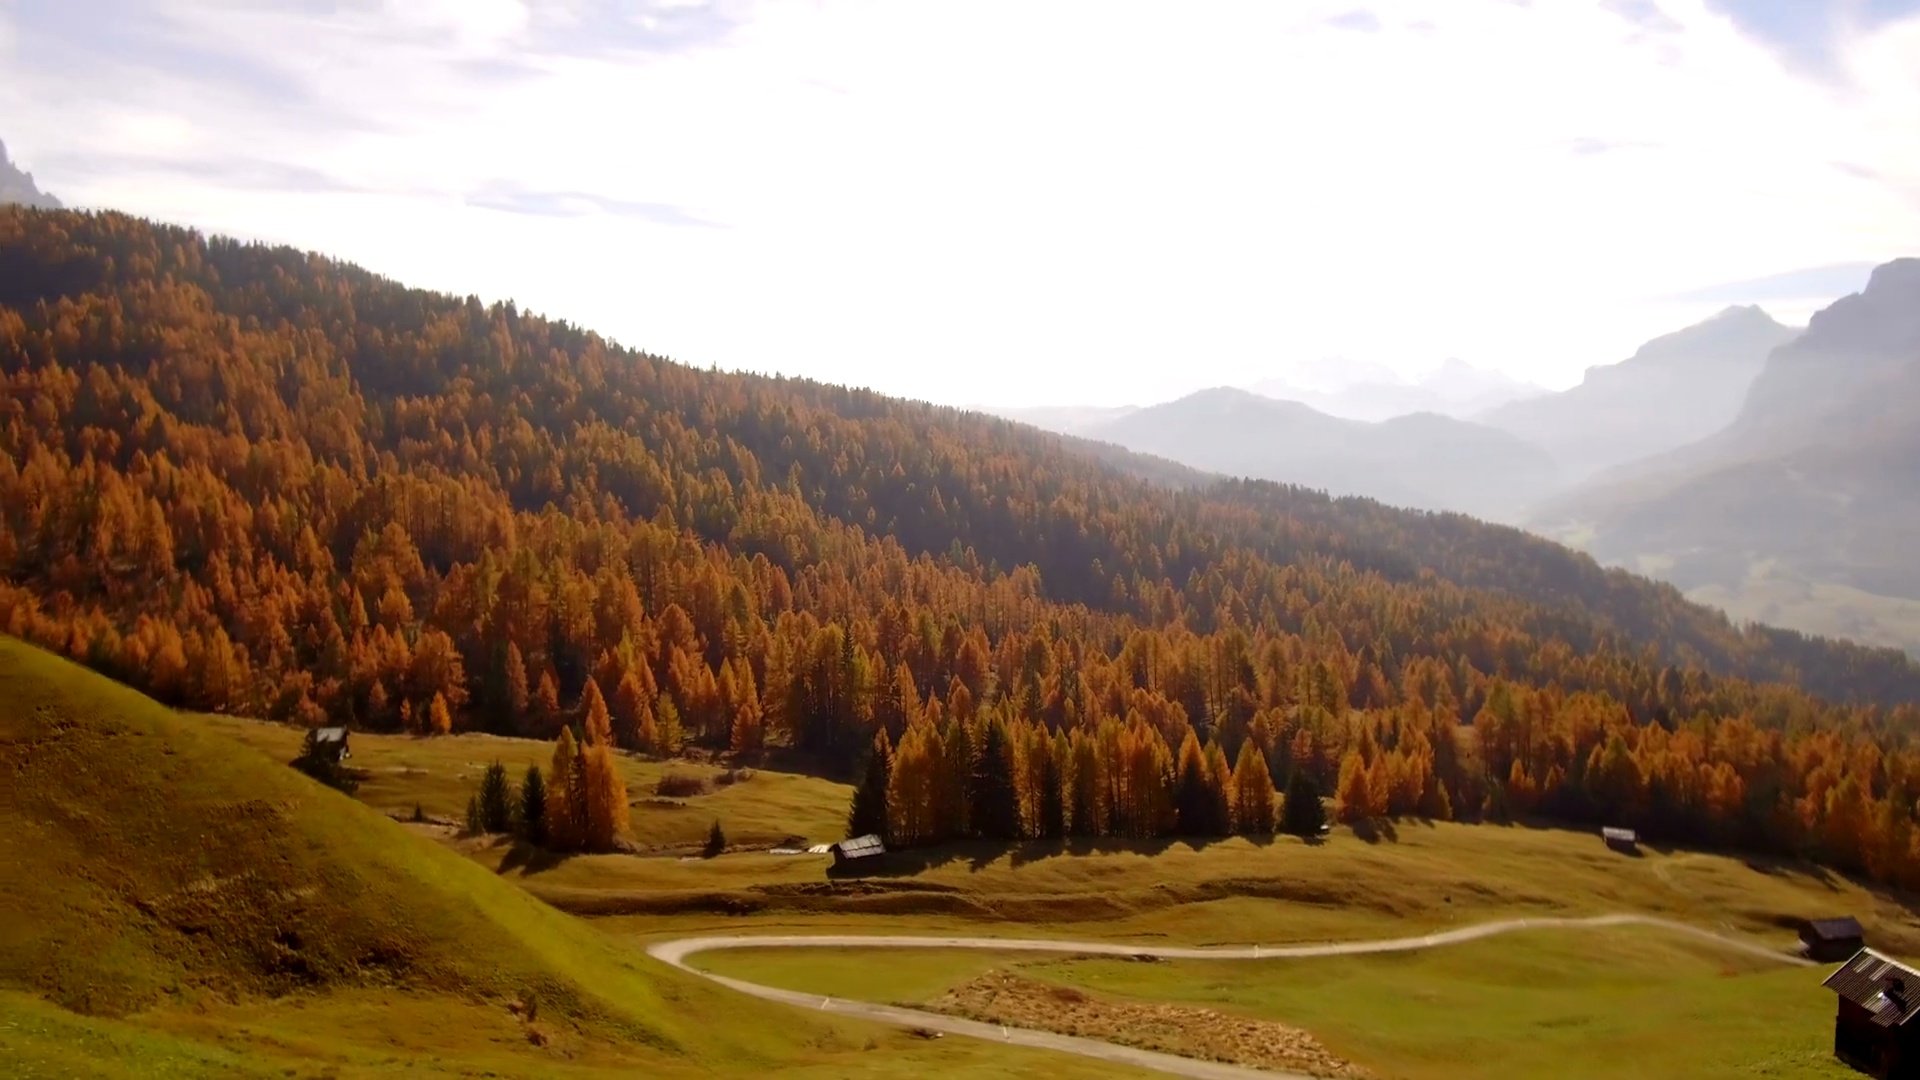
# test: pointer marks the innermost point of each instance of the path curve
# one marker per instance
(676, 952)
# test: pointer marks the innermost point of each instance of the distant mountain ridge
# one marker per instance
(17, 186)
(1456, 388)
(1423, 460)
(1855, 364)
(1674, 390)
(1503, 465)
(1762, 468)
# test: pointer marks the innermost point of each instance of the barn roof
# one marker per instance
(1613, 833)
(1886, 988)
(1846, 928)
(859, 847)
(329, 734)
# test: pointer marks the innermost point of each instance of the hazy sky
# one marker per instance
(1019, 203)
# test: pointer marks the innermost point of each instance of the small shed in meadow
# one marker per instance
(1873, 1029)
(855, 848)
(1624, 841)
(330, 744)
(1832, 940)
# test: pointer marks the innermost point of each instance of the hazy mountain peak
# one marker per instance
(1227, 395)
(1882, 320)
(1453, 365)
(1221, 393)
(16, 186)
(1901, 274)
(1675, 389)
(1854, 361)
(1455, 388)
(1744, 331)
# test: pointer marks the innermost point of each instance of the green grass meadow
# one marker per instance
(183, 904)
(1574, 1003)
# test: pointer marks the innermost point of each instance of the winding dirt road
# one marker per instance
(677, 951)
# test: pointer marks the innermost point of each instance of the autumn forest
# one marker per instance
(256, 481)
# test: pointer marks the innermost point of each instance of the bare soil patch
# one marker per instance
(1000, 997)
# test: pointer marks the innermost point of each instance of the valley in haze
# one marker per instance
(1803, 507)
(1759, 467)
(1421, 460)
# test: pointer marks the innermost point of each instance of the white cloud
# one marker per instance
(1008, 202)
(474, 25)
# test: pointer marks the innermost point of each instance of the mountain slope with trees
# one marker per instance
(251, 479)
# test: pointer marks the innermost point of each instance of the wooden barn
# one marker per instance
(1873, 1029)
(1832, 940)
(853, 849)
(1623, 841)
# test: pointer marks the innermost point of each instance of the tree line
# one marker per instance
(1009, 780)
(578, 804)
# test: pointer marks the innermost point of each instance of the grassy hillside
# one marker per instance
(400, 772)
(1774, 594)
(192, 870)
(1233, 892)
(180, 903)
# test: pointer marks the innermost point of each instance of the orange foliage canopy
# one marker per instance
(254, 480)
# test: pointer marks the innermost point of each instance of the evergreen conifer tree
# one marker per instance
(868, 814)
(496, 799)
(533, 806)
(1301, 813)
(994, 803)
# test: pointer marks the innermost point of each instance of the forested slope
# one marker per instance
(257, 480)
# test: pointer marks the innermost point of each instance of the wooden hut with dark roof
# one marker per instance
(1873, 1029)
(852, 850)
(1830, 941)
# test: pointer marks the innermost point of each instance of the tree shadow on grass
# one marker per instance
(1037, 850)
(1774, 866)
(1374, 830)
(529, 859)
(979, 854)
(896, 863)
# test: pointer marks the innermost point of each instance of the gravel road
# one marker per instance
(677, 951)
